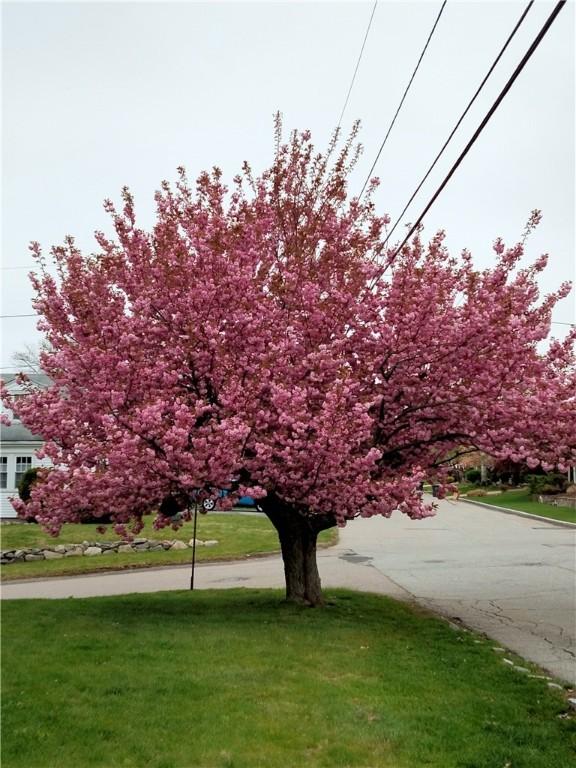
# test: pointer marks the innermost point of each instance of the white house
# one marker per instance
(18, 445)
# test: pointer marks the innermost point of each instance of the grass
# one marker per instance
(520, 499)
(237, 535)
(238, 679)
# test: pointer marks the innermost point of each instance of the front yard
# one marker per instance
(238, 678)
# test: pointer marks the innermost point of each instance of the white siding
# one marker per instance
(12, 452)
(17, 441)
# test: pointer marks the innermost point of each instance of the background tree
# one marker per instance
(510, 472)
(267, 335)
(28, 358)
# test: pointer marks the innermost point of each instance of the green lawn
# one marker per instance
(238, 536)
(238, 678)
(520, 500)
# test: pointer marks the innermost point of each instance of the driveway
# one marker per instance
(508, 576)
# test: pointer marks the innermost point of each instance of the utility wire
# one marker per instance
(402, 100)
(2, 317)
(357, 65)
(536, 42)
(462, 116)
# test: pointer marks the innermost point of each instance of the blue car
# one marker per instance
(244, 501)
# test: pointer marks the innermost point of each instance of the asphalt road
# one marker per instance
(508, 576)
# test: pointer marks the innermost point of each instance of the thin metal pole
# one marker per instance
(194, 544)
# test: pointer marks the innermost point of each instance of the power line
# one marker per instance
(20, 367)
(34, 314)
(537, 40)
(462, 116)
(402, 100)
(3, 317)
(357, 64)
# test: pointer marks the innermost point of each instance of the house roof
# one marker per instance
(40, 379)
(17, 432)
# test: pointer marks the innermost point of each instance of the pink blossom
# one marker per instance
(272, 336)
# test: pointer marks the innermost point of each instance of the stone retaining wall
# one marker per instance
(557, 500)
(94, 548)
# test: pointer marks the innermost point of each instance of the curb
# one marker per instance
(519, 513)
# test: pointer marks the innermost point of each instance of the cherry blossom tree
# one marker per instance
(265, 339)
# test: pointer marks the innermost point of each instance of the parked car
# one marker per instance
(244, 501)
(173, 507)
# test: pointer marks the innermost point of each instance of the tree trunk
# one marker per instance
(298, 533)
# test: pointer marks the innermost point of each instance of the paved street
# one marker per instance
(508, 576)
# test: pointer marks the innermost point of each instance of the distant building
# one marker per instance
(18, 444)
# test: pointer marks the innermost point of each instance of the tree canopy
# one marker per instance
(266, 339)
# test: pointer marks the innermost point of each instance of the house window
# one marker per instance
(3, 471)
(22, 464)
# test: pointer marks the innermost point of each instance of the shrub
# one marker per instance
(473, 476)
(477, 492)
(560, 481)
(90, 519)
(550, 483)
(510, 472)
(550, 490)
(26, 482)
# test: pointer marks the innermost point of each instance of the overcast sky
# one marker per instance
(98, 95)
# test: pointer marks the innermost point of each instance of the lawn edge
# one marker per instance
(520, 513)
